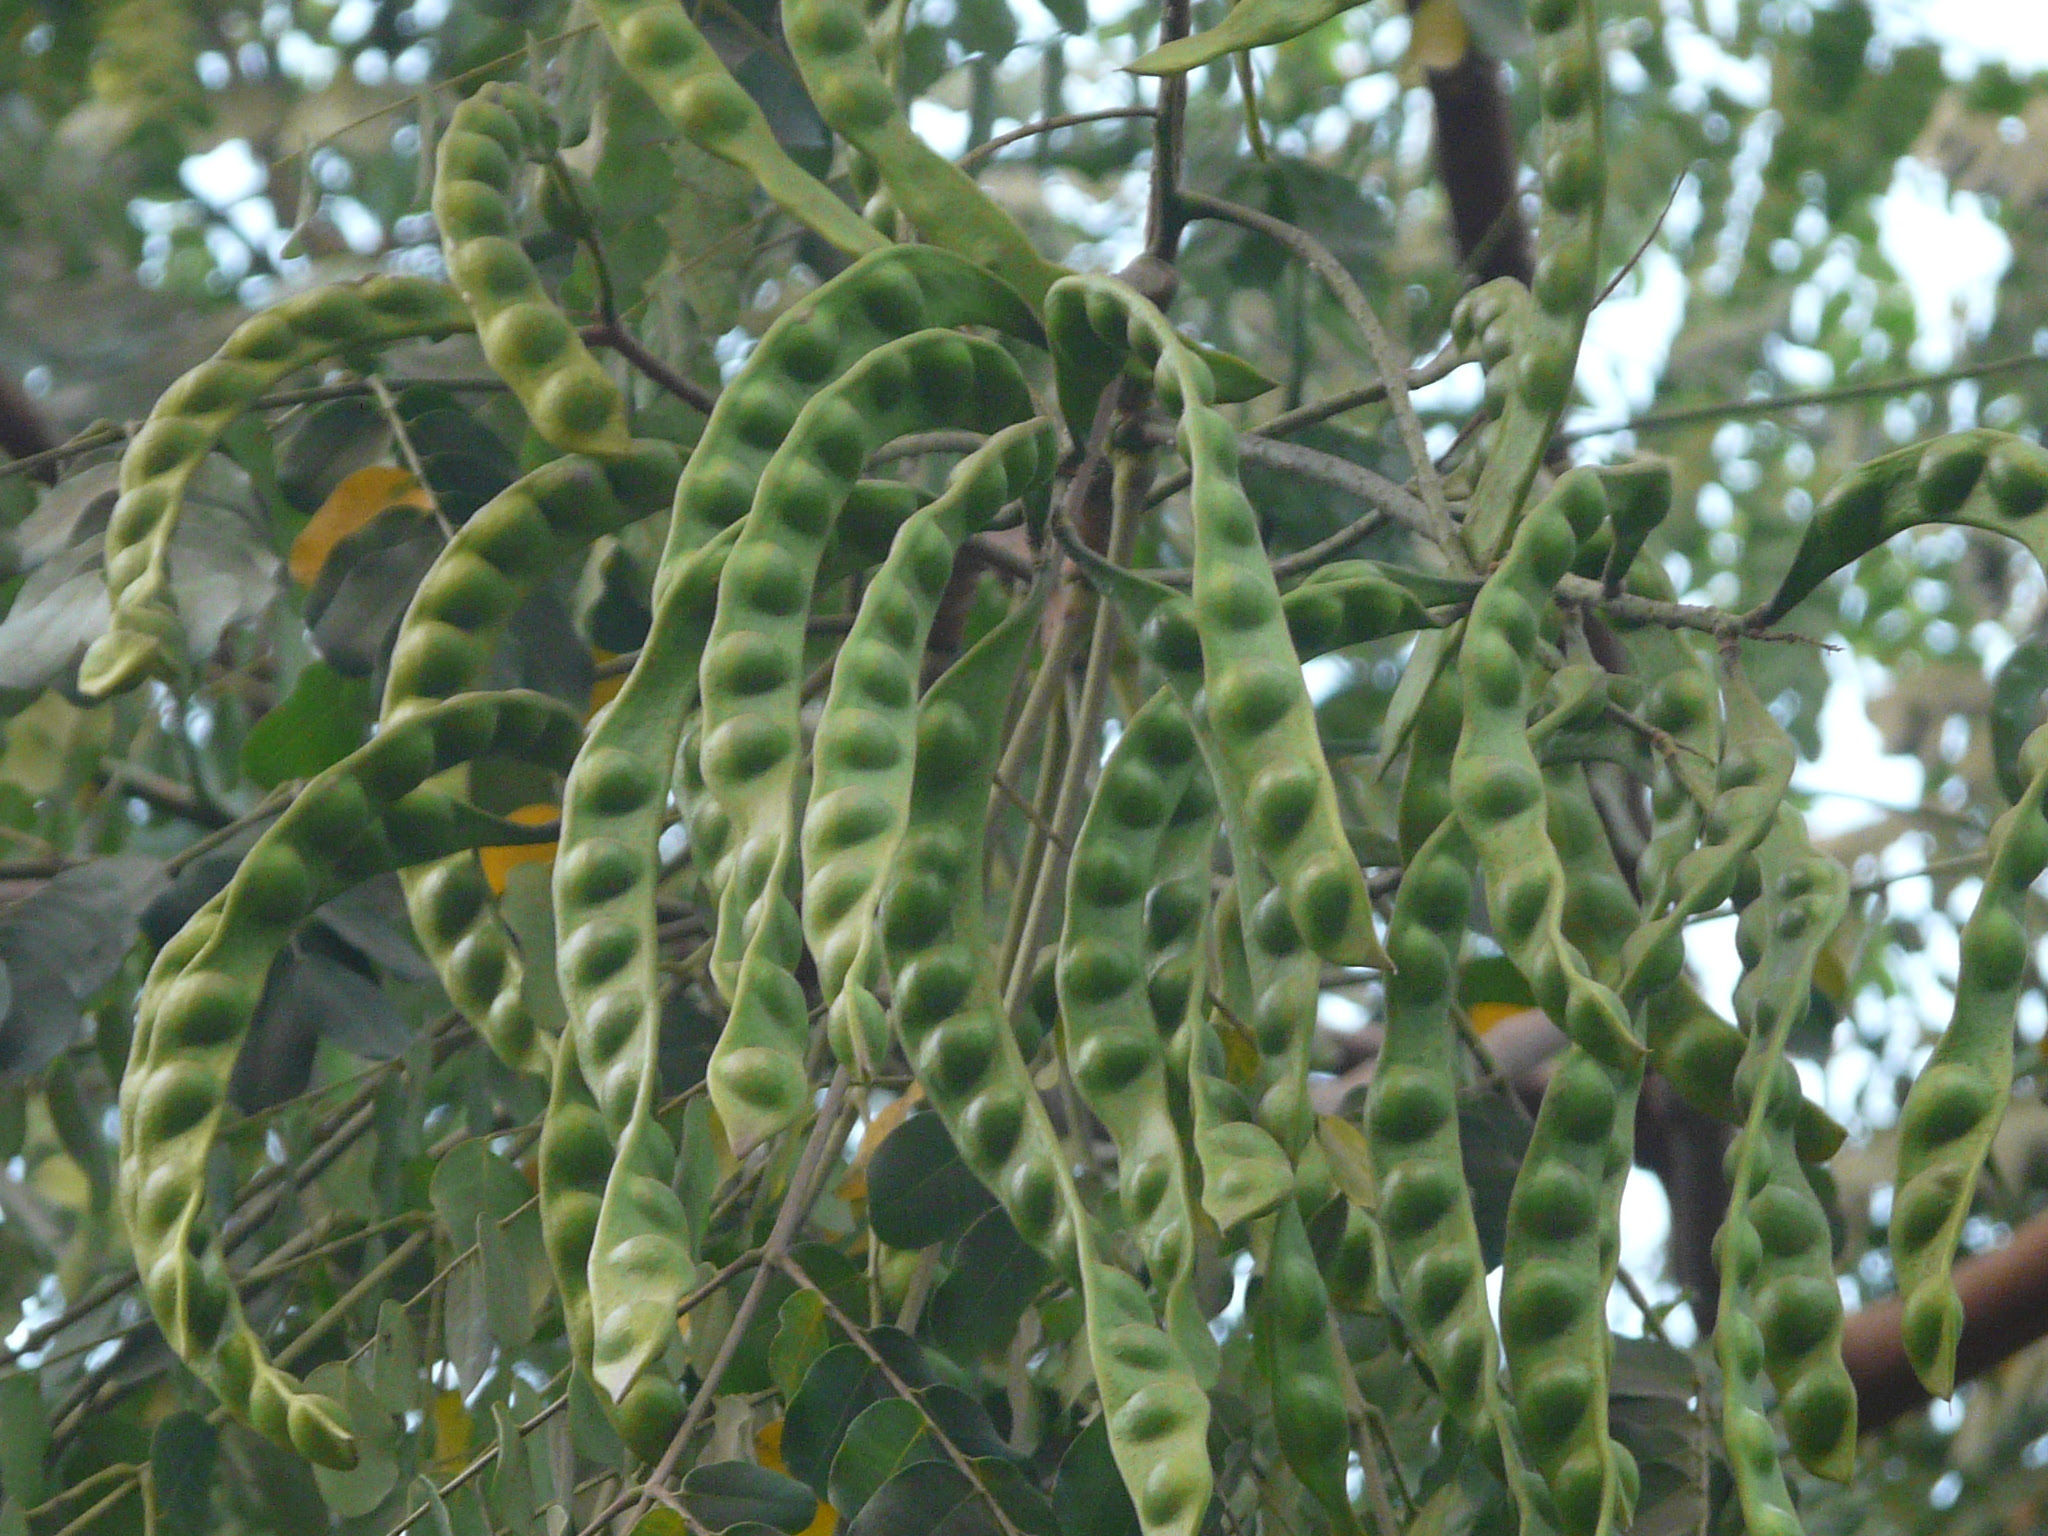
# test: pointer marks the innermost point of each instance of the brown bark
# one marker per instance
(1476, 160)
(2005, 1309)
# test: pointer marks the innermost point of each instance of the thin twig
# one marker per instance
(900, 1387)
(984, 150)
(1643, 249)
(1393, 370)
(1735, 410)
(614, 334)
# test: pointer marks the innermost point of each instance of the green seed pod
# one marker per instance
(751, 679)
(1749, 785)
(570, 399)
(365, 816)
(1305, 1369)
(1266, 759)
(144, 639)
(828, 42)
(1562, 1243)
(1638, 499)
(1780, 1311)
(1955, 1105)
(1113, 1043)
(1535, 334)
(667, 57)
(1976, 479)
(482, 576)
(1497, 786)
(613, 804)
(856, 810)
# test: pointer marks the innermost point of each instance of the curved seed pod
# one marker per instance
(1955, 1105)
(1563, 1240)
(1777, 1265)
(614, 797)
(857, 804)
(752, 675)
(1695, 1049)
(1176, 915)
(667, 57)
(1112, 1042)
(1638, 499)
(866, 531)
(640, 1260)
(828, 41)
(1540, 329)
(1749, 785)
(1334, 615)
(1305, 1370)
(1411, 1123)
(1250, 24)
(364, 816)
(1498, 788)
(950, 1020)
(946, 1010)
(1430, 588)
(1978, 479)
(1268, 764)
(186, 422)
(450, 631)
(1156, 1411)
(570, 399)
(1286, 982)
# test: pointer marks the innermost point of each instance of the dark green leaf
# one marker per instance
(995, 1276)
(182, 1455)
(1494, 1137)
(331, 442)
(726, 1493)
(837, 1387)
(919, 1191)
(24, 1437)
(933, 1498)
(887, 1437)
(324, 718)
(510, 1495)
(1089, 1496)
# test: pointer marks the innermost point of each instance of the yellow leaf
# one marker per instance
(1486, 1015)
(501, 860)
(1438, 38)
(357, 502)
(768, 1452)
(1350, 1159)
(604, 689)
(453, 1430)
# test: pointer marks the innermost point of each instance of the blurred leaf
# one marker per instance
(324, 718)
(24, 1437)
(841, 1383)
(884, 1439)
(61, 945)
(510, 1487)
(331, 442)
(364, 1487)
(364, 585)
(350, 507)
(995, 1277)
(505, 1296)
(934, 1499)
(1089, 1496)
(371, 919)
(801, 1335)
(341, 1004)
(723, 1494)
(919, 1191)
(183, 1453)
(1494, 1138)
(395, 1360)
(60, 609)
